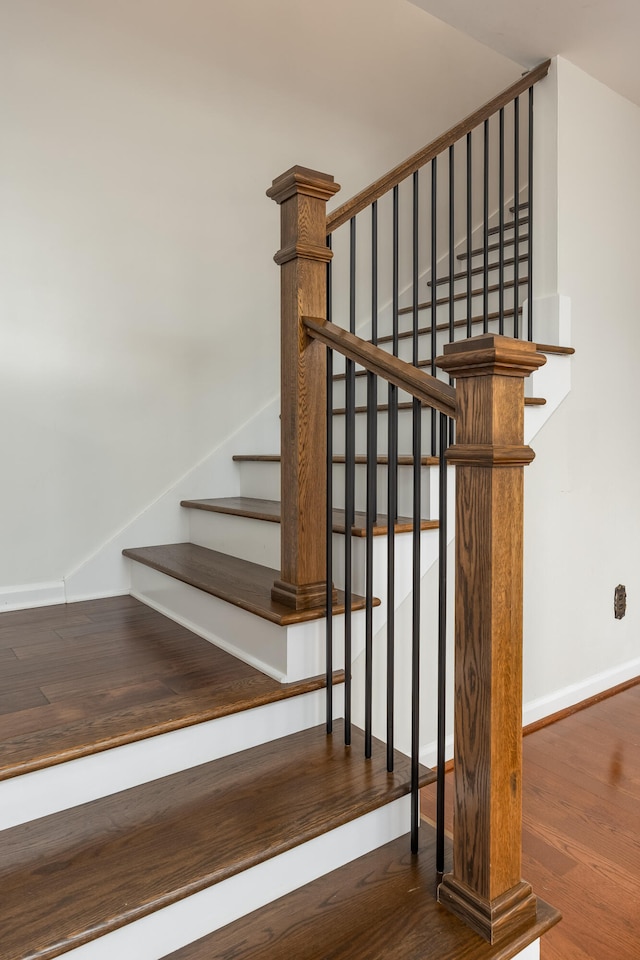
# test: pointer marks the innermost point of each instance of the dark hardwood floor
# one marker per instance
(581, 828)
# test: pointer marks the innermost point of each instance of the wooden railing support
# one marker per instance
(486, 889)
(302, 195)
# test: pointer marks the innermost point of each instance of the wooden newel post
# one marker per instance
(303, 195)
(486, 889)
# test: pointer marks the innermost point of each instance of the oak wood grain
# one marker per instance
(302, 195)
(240, 582)
(485, 887)
(580, 841)
(381, 907)
(75, 875)
(108, 672)
(269, 511)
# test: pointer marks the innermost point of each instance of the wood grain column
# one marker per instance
(486, 889)
(303, 195)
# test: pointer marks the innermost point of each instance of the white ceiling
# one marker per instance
(601, 37)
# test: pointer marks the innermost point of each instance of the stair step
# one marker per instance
(521, 206)
(239, 582)
(422, 331)
(379, 907)
(540, 347)
(408, 405)
(76, 875)
(179, 680)
(509, 225)
(403, 461)
(554, 349)
(269, 510)
(494, 265)
(508, 242)
(478, 292)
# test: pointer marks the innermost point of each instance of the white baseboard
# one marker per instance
(575, 693)
(31, 595)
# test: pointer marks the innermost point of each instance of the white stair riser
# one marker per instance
(69, 784)
(216, 531)
(405, 432)
(261, 479)
(168, 929)
(288, 653)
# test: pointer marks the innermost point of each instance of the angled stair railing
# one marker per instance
(485, 888)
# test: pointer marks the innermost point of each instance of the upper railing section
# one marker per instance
(395, 176)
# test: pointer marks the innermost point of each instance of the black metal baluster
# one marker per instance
(530, 243)
(372, 454)
(349, 506)
(442, 648)
(434, 279)
(516, 217)
(392, 495)
(501, 230)
(452, 328)
(485, 292)
(415, 627)
(329, 523)
(469, 240)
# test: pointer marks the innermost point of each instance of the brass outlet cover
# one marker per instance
(620, 601)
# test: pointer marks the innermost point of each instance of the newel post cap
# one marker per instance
(490, 353)
(302, 180)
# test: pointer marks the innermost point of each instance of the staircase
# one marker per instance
(219, 819)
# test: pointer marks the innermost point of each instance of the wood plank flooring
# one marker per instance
(83, 677)
(581, 828)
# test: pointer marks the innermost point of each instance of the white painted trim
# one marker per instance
(31, 595)
(532, 952)
(173, 927)
(70, 784)
(575, 693)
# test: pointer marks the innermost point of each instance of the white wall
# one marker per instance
(582, 503)
(138, 298)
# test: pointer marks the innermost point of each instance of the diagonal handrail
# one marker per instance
(391, 179)
(431, 391)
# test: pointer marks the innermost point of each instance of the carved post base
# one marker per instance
(306, 596)
(495, 920)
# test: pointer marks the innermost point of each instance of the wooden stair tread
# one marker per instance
(540, 347)
(73, 876)
(408, 405)
(240, 582)
(408, 334)
(521, 206)
(403, 460)
(508, 242)
(509, 225)
(553, 348)
(269, 510)
(379, 907)
(494, 265)
(478, 292)
(128, 673)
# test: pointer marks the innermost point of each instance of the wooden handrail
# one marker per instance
(391, 179)
(431, 391)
